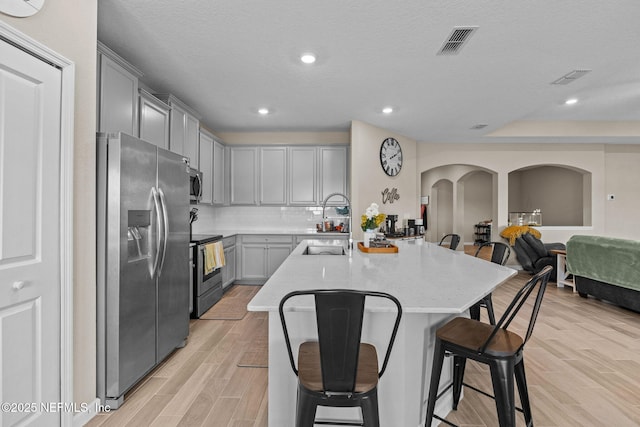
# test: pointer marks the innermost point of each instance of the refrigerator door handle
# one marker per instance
(160, 225)
(165, 229)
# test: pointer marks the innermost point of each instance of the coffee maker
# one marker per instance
(390, 224)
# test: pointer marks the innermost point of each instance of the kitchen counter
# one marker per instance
(433, 284)
(425, 277)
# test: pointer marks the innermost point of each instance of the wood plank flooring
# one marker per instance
(583, 369)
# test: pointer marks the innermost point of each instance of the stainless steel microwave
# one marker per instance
(195, 185)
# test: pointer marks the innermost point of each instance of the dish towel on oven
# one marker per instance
(213, 256)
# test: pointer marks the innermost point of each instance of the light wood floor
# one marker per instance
(583, 369)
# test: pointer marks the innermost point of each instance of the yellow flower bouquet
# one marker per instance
(372, 218)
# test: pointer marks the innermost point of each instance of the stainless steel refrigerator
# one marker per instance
(142, 260)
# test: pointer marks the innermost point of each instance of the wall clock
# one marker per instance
(391, 156)
(20, 8)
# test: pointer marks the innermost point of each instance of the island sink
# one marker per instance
(324, 250)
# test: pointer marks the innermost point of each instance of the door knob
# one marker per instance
(18, 285)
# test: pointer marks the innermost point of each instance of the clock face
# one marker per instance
(391, 156)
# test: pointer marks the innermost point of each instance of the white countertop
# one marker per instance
(425, 277)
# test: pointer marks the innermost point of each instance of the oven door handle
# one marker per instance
(159, 233)
(165, 230)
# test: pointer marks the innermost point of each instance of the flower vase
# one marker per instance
(368, 236)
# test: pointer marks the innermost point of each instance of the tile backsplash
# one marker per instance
(257, 218)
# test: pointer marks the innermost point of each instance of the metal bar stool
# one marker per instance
(338, 369)
(499, 255)
(455, 240)
(495, 346)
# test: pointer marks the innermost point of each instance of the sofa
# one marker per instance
(606, 268)
(534, 255)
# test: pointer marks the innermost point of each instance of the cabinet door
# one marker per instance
(154, 120)
(191, 140)
(176, 143)
(229, 270)
(118, 98)
(206, 167)
(243, 163)
(273, 175)
(276, 254)
(218, 173)
(254, 261)
(303, 176)
(333, 173)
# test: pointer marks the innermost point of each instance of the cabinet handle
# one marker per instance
(18, 285)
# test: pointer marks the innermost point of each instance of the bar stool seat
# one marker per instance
(468, 333)
(310, 372)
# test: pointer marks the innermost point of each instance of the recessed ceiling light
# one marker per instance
(263, 111)
(308, 58)
(387, 110)
(571, 101)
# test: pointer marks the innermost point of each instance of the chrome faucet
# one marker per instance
(324, 206)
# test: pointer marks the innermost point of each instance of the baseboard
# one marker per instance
(82, 418)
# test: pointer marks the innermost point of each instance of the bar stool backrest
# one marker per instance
(455, 240)
(540, 281)
(500, 254)
(339, 315)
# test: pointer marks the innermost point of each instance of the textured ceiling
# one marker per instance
(227, 58)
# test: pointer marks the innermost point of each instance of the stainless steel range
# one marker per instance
(207, 286)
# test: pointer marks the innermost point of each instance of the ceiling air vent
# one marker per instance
(459, 36)
(570, 77)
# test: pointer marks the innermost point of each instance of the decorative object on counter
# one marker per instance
(512, 232)
(371, 220)
(390, 195)
(387, 248)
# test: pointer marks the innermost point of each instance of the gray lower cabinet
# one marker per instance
(229, 270)
(261, 255)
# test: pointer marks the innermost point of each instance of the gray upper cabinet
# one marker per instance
(333, 173)
(303, 176)
(184, 129)
(206, 166)
(192, 139)
(273, 176)
(117, 93)
(282, 175)
(219, 174)
(154, 120)
(243, 173)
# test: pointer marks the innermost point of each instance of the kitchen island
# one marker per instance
(433, 284)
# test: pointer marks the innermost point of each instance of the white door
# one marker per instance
(30, 284)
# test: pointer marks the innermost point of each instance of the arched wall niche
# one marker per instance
(562, 193)
(459, 197)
